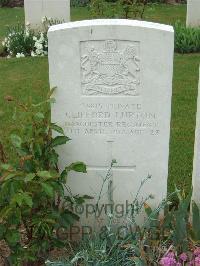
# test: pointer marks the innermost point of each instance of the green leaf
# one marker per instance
(44, 174)
(12, 237)
(52, 100)
(29, 177)
(53, 158)
(6, 167)
(39, 115)
(196, 220)
(18, 198)
(78, 167)
(37, 149)
(29, 166)
(2, 231)
(59, 140)
(5, 212)
(58, 187)
(180, 229)
(16, 140)
(63, 175)
(58, 243)
(139, 262)
(10, 176)
(147, 209)
(68, 218)
(52, 90)
(57, 128)
(27, 200)
(47, 189)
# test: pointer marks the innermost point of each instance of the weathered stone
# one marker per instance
(36, 10)
(193, 13)
(196, 160)
(113, 98)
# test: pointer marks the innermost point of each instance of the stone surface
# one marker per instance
(113, 98)
(193, 13)
(35, 10)
(196, 160)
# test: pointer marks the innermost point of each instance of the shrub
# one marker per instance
(4, 3)
(21, 41)
(118, 9)
(32, 201)
(79, 3)
(187, 40)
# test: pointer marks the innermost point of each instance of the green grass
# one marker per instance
(158, 13)
(185, 83)
(23, 78)
(166, 14)
(10, 17)
(29, 77)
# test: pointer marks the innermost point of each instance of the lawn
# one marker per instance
(158, 13)
(29, 77)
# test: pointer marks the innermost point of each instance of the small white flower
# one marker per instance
(27, 33)
(38, 52)
(44, 19)
(110, 215)
(8, 56)
(18, 55)
(28, 23)
(3, 43)
(35, 38)
(33, 54)
(41, 36)
(39, 46)
(108, 228)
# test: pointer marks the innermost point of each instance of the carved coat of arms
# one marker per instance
(110, 70)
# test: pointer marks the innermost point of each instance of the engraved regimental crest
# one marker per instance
(110, 67)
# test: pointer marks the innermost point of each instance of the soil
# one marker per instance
(54, 255)
(4, 253)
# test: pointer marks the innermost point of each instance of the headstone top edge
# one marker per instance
(111, 22)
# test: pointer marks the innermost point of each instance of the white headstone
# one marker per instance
(36, 10)
(193, 13)
(113, 98)
(196, 160)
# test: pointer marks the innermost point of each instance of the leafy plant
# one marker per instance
(21, 41)
(133, 8)
(32, 201)
(4, 3)
(118, 9)
(187, 40)
(165, 238)
(79, 3)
